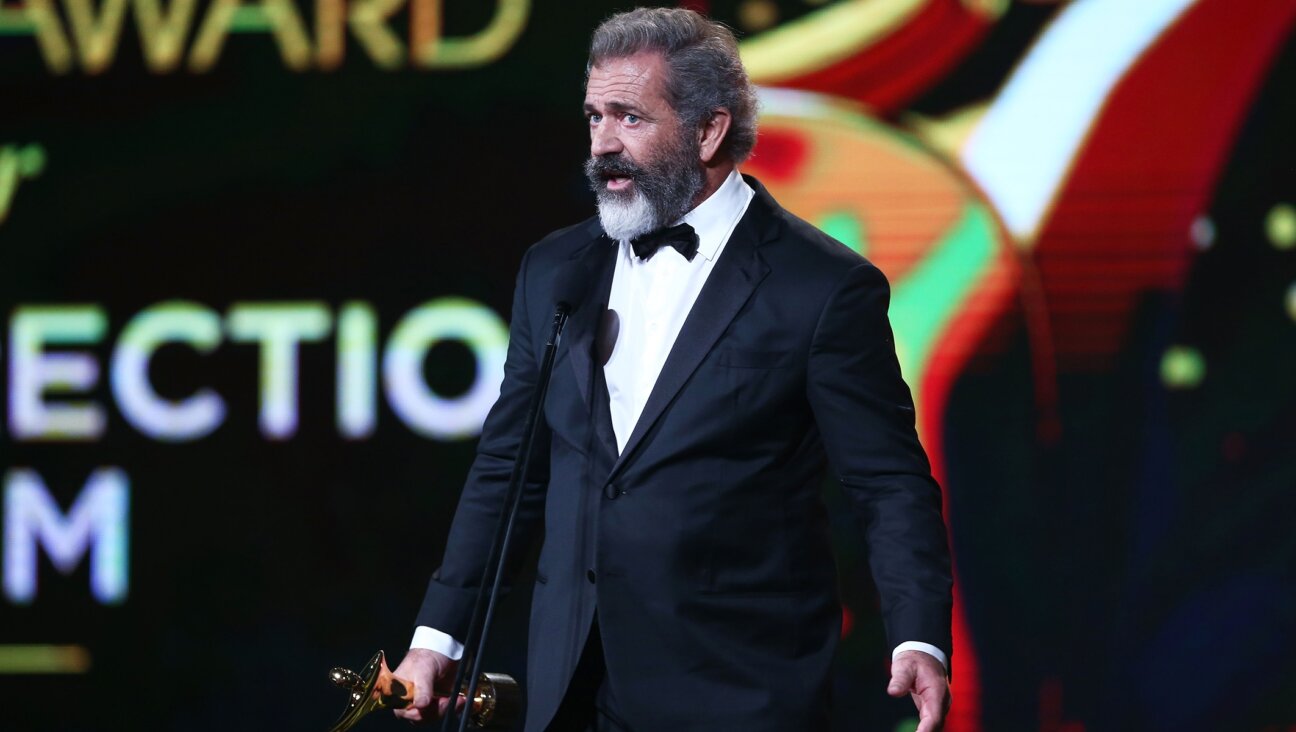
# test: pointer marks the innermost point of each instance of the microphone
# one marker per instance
(571, 285)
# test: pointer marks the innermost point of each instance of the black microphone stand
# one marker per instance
(484, 606)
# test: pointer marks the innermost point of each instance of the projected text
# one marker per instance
(17, 163)
(49, 388)
(97, 524)
(89, 33)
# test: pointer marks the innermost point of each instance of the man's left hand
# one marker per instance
(923, 677)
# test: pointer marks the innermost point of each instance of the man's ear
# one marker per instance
(712, 134)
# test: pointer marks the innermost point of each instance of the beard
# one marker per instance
(662, 189)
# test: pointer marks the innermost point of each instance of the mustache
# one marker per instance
(612, 166)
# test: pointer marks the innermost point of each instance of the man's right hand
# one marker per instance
(426, 670)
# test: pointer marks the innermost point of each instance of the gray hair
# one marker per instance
(705, 72)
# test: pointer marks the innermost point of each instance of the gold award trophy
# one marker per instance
(495, 705)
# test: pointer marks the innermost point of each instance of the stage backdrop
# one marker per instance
(256, 259)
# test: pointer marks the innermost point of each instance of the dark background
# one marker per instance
(1125, 551)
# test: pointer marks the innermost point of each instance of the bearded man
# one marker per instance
(727, 355)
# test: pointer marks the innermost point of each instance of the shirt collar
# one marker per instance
(714, 219)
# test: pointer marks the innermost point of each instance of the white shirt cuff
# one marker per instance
(927, 648)
(431, 639)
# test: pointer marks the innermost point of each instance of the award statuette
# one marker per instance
(495, 705)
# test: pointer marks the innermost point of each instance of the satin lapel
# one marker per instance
(599, 259)
(735, 276)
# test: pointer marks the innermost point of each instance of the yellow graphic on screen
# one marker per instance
(876, 190)
(92, 36)
(17, 163)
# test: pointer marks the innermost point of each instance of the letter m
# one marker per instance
(98, 522)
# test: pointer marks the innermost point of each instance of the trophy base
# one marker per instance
(496, 704)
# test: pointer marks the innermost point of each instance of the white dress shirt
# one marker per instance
(652, 298)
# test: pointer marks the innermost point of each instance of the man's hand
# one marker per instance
(923, 677)
(427, 670)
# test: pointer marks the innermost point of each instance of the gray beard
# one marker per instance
(664, 190)
(627, 217)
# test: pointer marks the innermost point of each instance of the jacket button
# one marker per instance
(589, 575)
(611, 490)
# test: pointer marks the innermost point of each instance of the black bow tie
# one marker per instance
(682, 238)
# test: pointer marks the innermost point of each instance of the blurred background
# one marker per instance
(256, 261)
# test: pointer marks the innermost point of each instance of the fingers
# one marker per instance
(421, 668)
(923, 678)
(931, 712)
(423, 714)
(903, 674)
(434, 710)
(931, 696)
(410, 715)
(424, 708)
(422, 697)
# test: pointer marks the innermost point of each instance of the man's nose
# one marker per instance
(603, 141)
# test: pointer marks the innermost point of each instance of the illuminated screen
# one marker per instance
(256, 264)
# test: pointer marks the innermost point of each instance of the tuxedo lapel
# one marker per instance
(731, 283)
(598, 259)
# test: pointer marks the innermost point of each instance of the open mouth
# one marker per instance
(617, 182)
(611, 174)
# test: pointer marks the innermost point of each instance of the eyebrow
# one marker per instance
(618, 107)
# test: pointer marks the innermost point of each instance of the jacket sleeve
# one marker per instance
(448, 602)
(866, 416)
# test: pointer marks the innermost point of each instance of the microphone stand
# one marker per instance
(492, 576)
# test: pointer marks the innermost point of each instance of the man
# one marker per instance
(703, 386)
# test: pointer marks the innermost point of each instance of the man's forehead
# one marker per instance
(630, 76)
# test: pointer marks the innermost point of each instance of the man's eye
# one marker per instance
(595, 119)
(631, 119)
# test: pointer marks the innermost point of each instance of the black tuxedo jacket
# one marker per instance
(704, 546)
